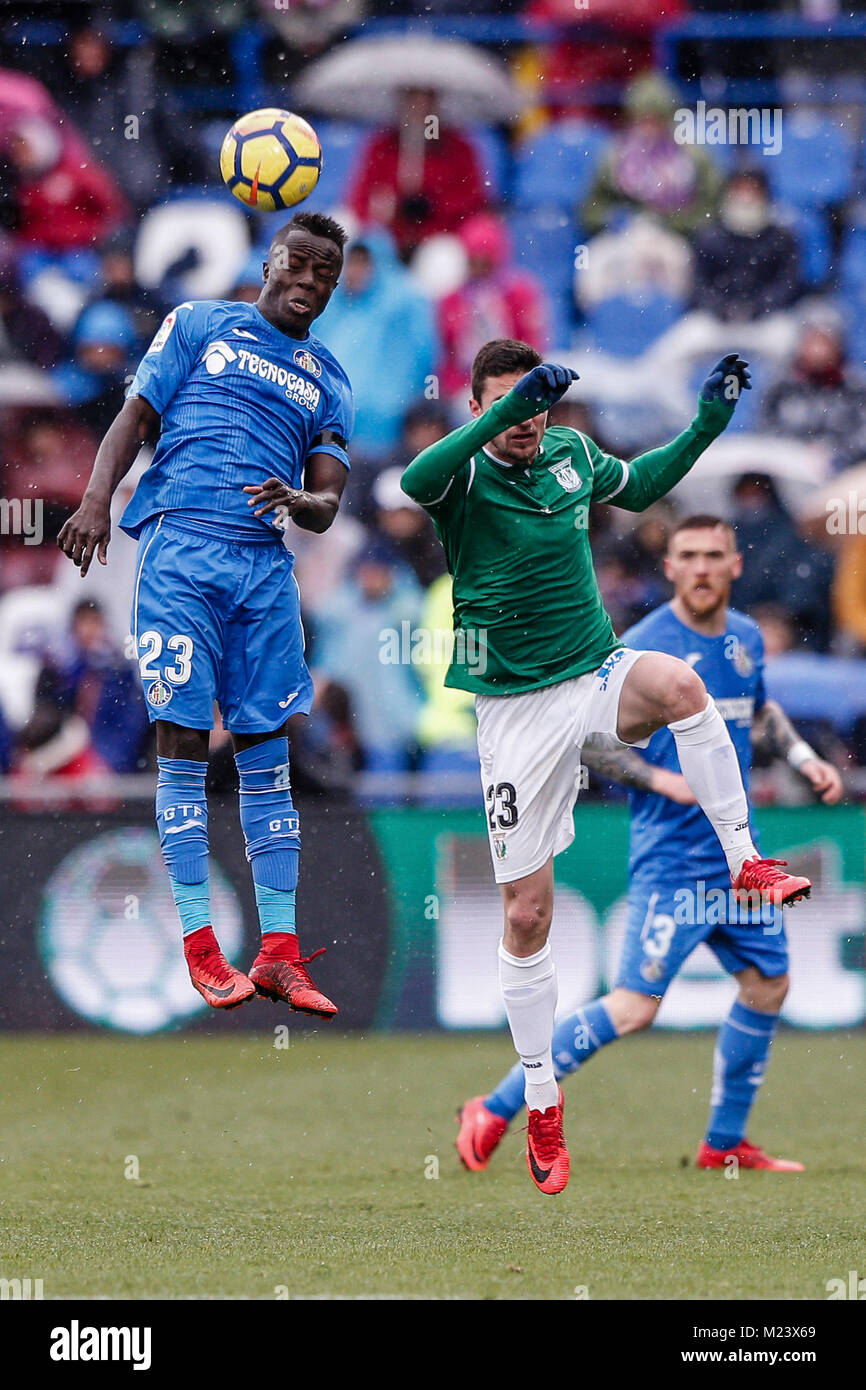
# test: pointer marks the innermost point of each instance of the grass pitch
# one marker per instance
(311, 1171)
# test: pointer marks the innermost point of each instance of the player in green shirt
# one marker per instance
(509, 499)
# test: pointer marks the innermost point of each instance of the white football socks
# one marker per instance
(528, 986)
(709, 764)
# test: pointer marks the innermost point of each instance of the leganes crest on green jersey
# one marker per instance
(527, 609)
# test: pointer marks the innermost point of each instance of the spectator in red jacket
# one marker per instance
(605, 43)
(61, 202)
(418, 178)
(495, 301)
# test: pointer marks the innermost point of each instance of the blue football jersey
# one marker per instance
(732, 668)
(240, 402)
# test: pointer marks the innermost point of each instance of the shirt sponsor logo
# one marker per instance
(217, 357)
(307, 362)
(297, 388)
(566, 476)
(605, 670)
(739, 709)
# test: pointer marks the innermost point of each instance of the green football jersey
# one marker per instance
(527, 608)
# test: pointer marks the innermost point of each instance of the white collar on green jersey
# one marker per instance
(488, 453)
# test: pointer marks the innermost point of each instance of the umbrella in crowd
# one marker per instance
(797, 468)
(842, 498)
(365, 81)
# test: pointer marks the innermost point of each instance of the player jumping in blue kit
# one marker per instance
(255, 418)
(679, 885)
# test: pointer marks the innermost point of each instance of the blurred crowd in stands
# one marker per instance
(587, 229)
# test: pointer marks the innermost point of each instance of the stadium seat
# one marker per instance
(544, 242)
(493, 159)
(852, 285)
(819, 687)
(557, 166)
(626, 326)
(453, 774)
(32, 619)
(203, 226)
(815, 165)
(812, 230)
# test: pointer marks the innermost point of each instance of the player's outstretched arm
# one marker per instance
(653, 474)
(774, 735)
(428, 475)
(312, 507)
(88, 531)
(628, 768)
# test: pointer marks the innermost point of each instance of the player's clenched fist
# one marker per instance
(545, 385)
(86, 534)
(728, 378)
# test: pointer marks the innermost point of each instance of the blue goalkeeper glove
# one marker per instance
(545, 385)
(727, 379)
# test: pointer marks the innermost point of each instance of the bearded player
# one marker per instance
(678, 881)
(510, 501)
(255, 416)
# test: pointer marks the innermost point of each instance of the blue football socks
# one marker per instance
(181, 819)
(272, 831)
(742, 1050)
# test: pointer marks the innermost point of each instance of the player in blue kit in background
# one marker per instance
(255, 419)
(679, 885)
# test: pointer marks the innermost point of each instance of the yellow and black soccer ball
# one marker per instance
(271, 159)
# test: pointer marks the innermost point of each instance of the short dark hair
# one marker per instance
(317, 224)
(702, 521)
(501, 357)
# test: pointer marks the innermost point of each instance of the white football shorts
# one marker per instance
(530, 747)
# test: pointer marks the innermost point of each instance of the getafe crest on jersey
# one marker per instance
(307, 362)
(743, 662)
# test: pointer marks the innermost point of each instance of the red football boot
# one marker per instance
(279, 973)
(480, 1132)
(747, 1156)
(216, 981)
(762, 876)
(546, 1154)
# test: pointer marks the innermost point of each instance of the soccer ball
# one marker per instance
(271, 159)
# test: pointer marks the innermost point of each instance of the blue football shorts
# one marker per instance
(218, 619)
(665, 924)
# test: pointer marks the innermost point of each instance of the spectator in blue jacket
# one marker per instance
(364, 640)
(89, 678)
(383, 331)
(105, 343)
